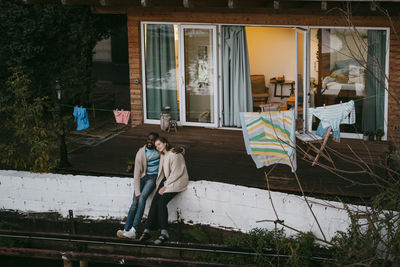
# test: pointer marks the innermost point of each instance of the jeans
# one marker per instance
(135, 214)
(158, 214)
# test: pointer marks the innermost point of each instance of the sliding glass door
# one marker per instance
(180, 72)
(198, 77)
(350, 64)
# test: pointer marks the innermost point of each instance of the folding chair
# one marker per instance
(312, 141)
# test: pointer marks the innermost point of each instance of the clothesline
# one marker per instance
(95, 109)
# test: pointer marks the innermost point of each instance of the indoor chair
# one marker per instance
(259, 91)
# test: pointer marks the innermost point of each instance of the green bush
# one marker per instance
(274, 248)
(29, 130)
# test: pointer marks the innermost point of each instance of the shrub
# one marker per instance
(29, 130)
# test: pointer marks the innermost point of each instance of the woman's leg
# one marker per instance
(163, 217)
(152, 219)
(163, 210)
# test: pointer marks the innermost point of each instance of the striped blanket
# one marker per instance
(270, 137)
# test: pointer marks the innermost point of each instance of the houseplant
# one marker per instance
(379, 133)
(131, 162)
(371, 136)
(366, 135)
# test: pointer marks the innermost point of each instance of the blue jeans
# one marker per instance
(135, 214)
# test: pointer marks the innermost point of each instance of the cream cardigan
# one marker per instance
(140, 169)
(174, 169)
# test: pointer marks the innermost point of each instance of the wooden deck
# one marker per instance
(220, 156)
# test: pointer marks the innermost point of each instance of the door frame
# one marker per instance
(306, 71)
(182, 82)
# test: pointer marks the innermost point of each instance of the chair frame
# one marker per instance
(312, 146)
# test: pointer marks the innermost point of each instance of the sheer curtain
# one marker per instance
(161, 87)
(236, 82)
(374, 102)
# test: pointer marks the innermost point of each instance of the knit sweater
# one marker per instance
(140, 169)
(174, 168)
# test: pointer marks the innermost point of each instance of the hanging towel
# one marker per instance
(333, 116)
(270, 137)
(122, 116)
(81, 118)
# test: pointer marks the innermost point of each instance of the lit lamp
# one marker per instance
(63, 147)
(59, 90)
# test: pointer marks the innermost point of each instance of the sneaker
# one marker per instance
(161, 239)
(127, 234)
(145, 236)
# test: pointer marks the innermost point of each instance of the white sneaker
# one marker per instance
(127, 234)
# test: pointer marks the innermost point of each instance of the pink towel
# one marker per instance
(122, 116)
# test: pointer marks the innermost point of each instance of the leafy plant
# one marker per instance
(52, 41)
(379, 133)
(293, 251)
(29, 134)
(131, 158)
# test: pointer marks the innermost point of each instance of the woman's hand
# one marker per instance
(162, 190)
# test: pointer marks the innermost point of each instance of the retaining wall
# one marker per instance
(209, 203)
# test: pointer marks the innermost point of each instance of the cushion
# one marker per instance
(257, 84)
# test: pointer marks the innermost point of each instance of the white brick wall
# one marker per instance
(210, 203)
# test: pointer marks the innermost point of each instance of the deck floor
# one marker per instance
(219, 155)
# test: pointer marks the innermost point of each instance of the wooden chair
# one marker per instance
(259, 91)
(315, 143)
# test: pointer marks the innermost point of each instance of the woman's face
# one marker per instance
(160, 146)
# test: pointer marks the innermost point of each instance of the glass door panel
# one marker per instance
(199, 75)
(160, 70)
(302, 77)
(351, 65)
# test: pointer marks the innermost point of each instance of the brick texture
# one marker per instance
(135, 71)
(331, 19)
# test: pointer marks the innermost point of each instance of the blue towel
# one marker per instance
(81, 118)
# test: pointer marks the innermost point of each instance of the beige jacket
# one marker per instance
(174, 169)
(140, 169)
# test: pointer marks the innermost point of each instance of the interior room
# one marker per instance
(349, 65)
(272, 59)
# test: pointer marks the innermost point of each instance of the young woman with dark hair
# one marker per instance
(176, 180)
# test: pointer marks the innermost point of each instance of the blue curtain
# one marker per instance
(374, 102)
(161, 88)
(236, 82)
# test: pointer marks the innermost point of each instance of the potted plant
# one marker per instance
(131, 162)
(366, 135)
(371, 136)
(379, 133)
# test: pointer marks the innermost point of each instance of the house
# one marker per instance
(202, 59)
(199, 57)
(180, 55)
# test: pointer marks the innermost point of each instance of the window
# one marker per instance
(349, 64)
